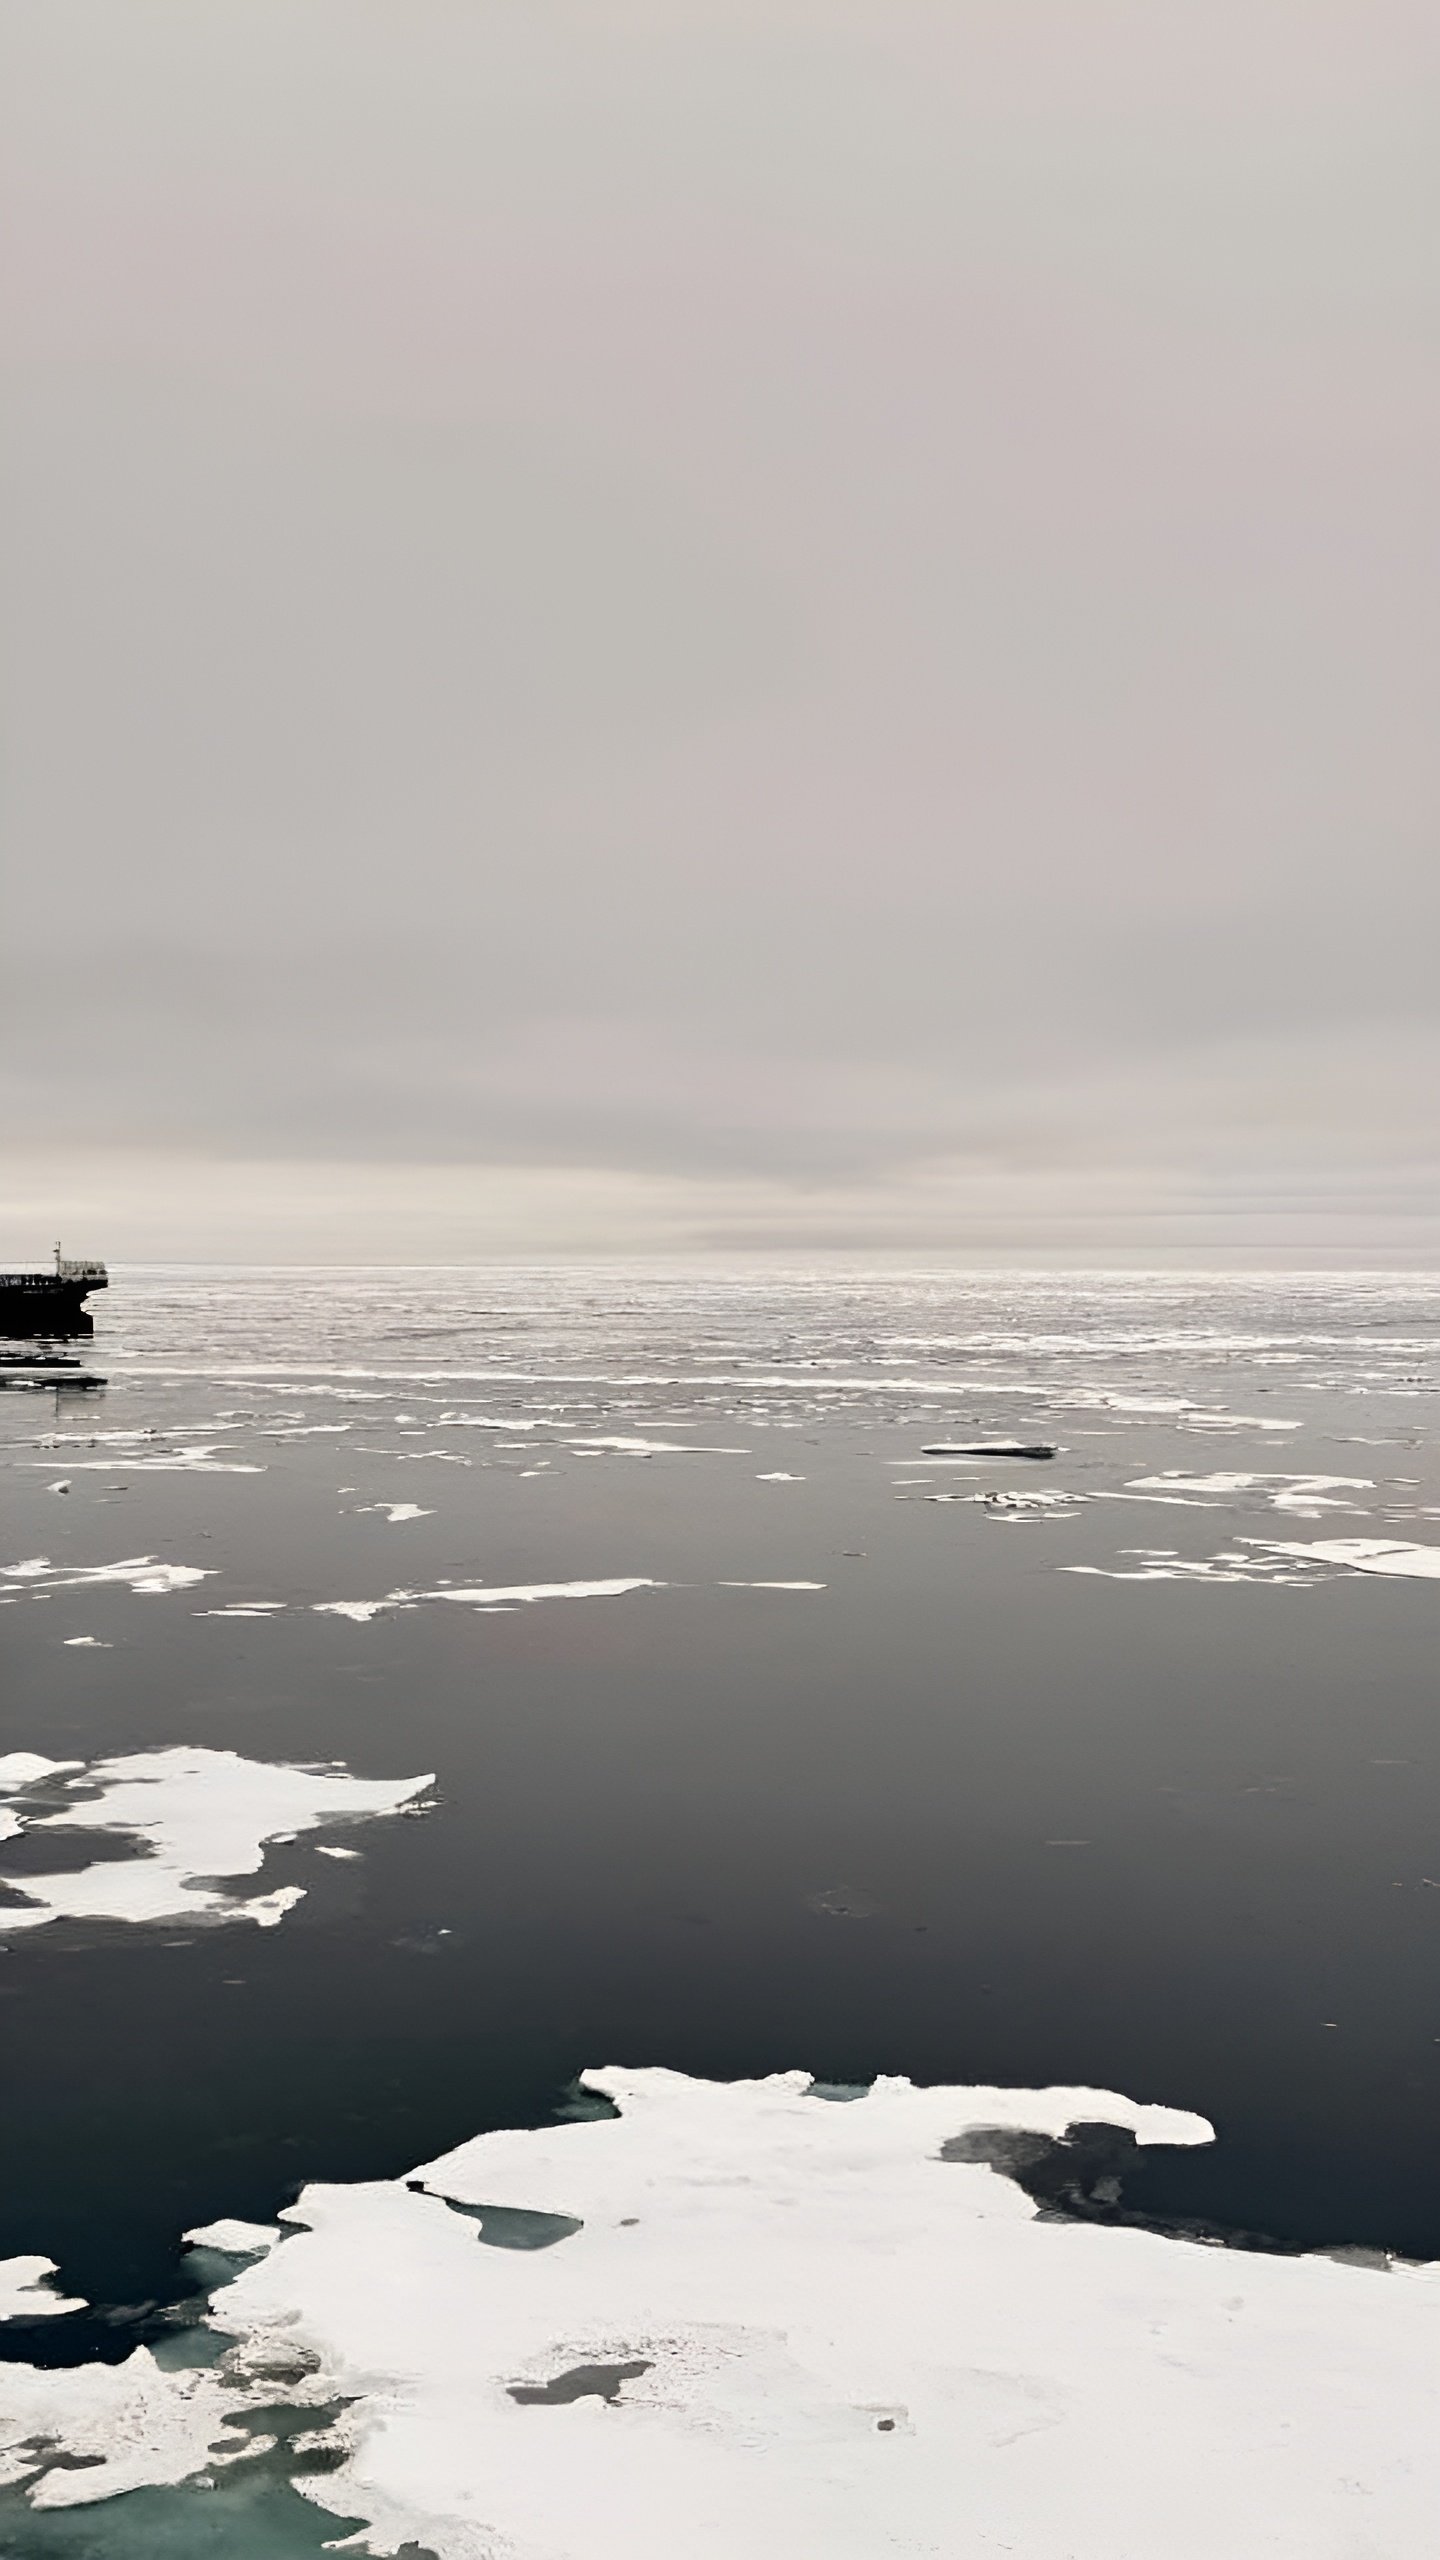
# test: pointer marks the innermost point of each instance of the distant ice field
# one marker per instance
(764, 1740)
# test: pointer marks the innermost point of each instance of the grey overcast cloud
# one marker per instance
(763, 627)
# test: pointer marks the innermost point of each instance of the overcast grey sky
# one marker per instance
(739, 624)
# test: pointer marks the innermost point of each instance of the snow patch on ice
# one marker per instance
(487, 1595)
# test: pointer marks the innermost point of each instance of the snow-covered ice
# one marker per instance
(1305, 1495)
(198, 1820)
(769, 2322)
(146, 1574)
(28, 2290)
(1360, 1555)
(233, 2238)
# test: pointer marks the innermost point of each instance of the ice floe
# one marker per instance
(235, 2239)
(24, 1768)
(197, 1819)
(770, 1586)
(639, 1448)
(745, 2317)
(1198, 1418)
(490, 1422)
(1308, 1496)
(243, 1609)
(499, 1596)
(1253, 1560)
(200, 1461)
(145, 1574)
(28, 2290)
(487, 1595)
(1359, 1555)
(1293, 1562)
(117, 2427)
(309, 1430)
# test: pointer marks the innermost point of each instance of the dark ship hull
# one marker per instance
(47, 1302)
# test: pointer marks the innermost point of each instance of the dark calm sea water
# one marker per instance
(1169, 1825)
